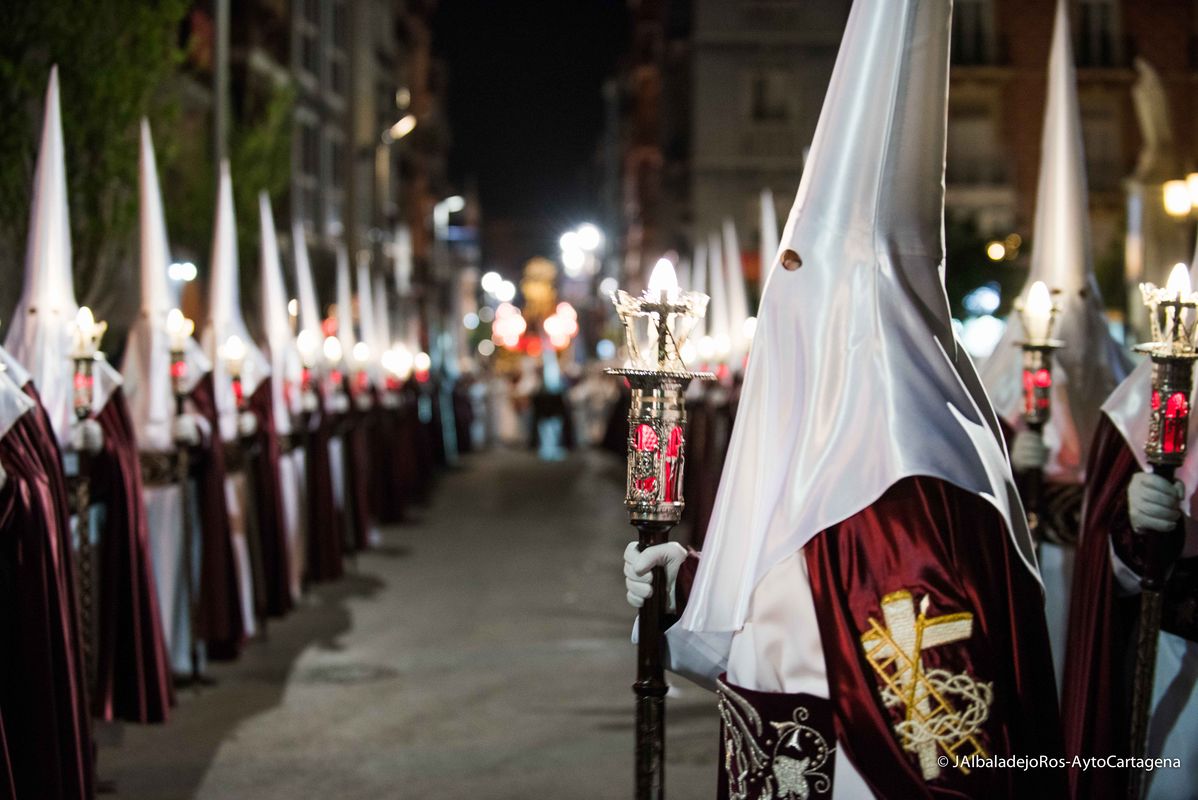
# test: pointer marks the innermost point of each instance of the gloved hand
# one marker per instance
(308, 402)
(247, 423)
(363, 401)
(3, 478)
(185, 430)
(1028, 452)
(86, 436)
(638, 577)
(1153, 503)
(338, 403)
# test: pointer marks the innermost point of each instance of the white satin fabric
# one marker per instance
(236, 500)
(286, 368)
(14, 404)
(39, 337)
(294, 489)
(224, 315)
(855, 380)
(164, 519)
(1091, 364)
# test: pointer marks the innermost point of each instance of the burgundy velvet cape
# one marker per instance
(1102, 621)
(268, 503)
(324, 524)
(133, 676)
(934, 539)
(391, 462)
(356, 451)
(46, 737)
(219, 606)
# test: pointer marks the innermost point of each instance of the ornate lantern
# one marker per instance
(1038, 313)
(656, 326)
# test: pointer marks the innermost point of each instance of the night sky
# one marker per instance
(526, 110)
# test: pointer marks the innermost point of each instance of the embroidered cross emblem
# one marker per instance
(931, 723)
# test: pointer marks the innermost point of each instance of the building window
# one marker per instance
(973, 32)
(307, 173)
(334, 193)
(1098, 40)
(974, 157)
(308, 29)
(336, 53)
(771, 97)
(1104, 162)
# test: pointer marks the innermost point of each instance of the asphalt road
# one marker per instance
(481, 652)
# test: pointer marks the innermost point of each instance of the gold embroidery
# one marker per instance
(932, 723)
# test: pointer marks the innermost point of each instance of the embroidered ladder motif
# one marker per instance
(932, 723)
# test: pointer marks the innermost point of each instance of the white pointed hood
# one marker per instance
(382, 317)
(367, 323)
(305, 287)
(224, 314)
(1128, 408)
(403, 260)
(738, 299)
(1091, 364)
(717, 311)
(855, 380)
(769, 233)
(39, 337)
(345, 304)
(147, 363)
(286, 369)
(699, 284)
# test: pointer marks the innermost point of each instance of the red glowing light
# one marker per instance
(646, 438)
(1177, 417)
(178, 369)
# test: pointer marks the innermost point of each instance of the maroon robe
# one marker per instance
(357, 476)
(219, 605)
(268, 503)
(43, 706)
(324, 524)
(133, 677)
(933, 539)
(1102, 620)
(391, 462)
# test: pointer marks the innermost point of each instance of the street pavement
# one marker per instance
(482, 651)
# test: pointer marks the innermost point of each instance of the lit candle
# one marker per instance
(233, 352)
(1037, 312)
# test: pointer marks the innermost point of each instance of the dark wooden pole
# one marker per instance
(650, 687)
(1162, 551)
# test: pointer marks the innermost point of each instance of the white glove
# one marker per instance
(638, 565)
(338, 404)
(1153, 503)
(390, 400)
(3, 478)
(87, 436)
(185, 430)
(364, 402)
(247, 423)
(1028, 452)
(308, 402)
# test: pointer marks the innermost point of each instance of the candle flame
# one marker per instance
(1037, 311)
(1179, 280)
(85, 320)
(234, 349)
(663, 279)
(177, 325)
(332, 349)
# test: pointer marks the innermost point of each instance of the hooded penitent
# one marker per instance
(45, 736)
(223, 324)
(356, 496)
(1091, 364)
(866, 495)
(132, 677)
(274, 484)
(1105, 610)
(147, 372)
(324, 546)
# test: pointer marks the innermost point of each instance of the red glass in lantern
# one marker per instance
(238, 393)
(673, 454)
(1177, 419)
(646, 438)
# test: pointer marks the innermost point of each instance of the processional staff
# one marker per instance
(1037, 313)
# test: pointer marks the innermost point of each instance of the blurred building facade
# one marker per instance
(369, 140)
(720, 100)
